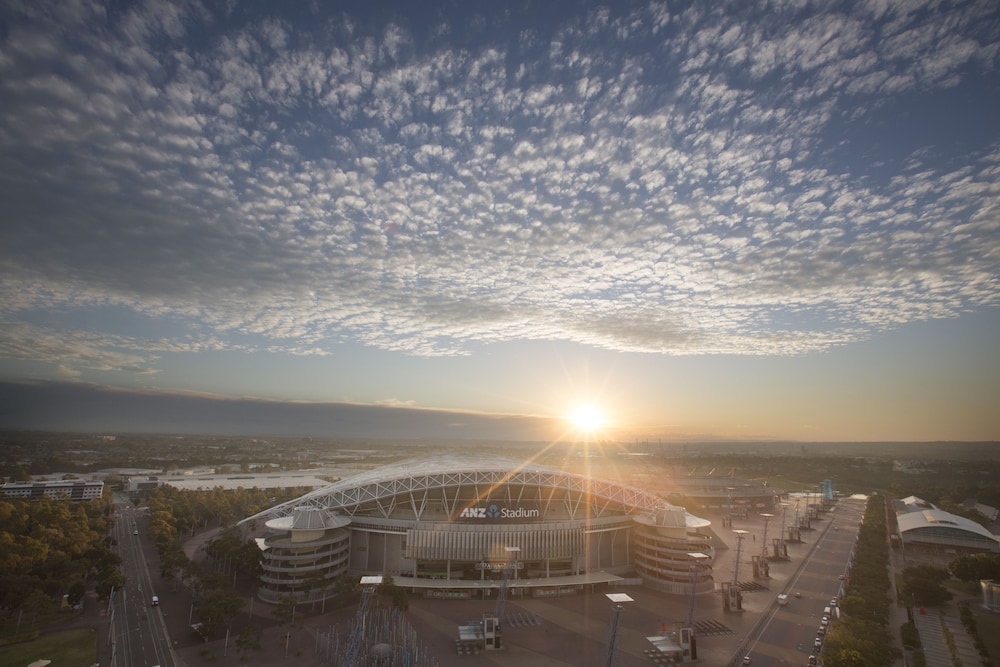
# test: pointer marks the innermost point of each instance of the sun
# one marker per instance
(587, 418)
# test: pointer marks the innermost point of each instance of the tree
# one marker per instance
(76, 592)
(856, 606)
(974, 567)
(108, 580)
(315, 580)
(846, 658)
(922, 583)
(399, 597)
(38, 603)
(286, 611)
(217, 607)
(248, 640)
(173, 560)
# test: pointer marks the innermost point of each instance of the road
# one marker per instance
(137, 632)
(787, 637)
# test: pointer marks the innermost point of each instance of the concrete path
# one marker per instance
(931, 627)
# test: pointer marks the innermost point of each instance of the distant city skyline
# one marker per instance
(752, 221)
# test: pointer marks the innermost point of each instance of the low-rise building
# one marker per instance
(73, 489)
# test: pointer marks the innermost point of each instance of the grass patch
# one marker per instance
(11, 624)
(988, 626)
(64, 647)
(963, 587)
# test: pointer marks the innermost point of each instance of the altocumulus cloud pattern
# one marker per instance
(682, 178)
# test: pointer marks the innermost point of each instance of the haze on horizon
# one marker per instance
(759, 220)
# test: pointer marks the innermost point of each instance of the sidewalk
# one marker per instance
(931, 626)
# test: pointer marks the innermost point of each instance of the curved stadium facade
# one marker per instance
(447, 526)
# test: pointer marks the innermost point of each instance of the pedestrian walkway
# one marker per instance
(193, 547)
(965, 647)
(931, 626)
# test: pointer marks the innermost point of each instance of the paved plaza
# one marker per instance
(572, 630)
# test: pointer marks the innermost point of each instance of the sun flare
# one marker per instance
(587, 418)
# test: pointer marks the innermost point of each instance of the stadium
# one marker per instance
(449, 526)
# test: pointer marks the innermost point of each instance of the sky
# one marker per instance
(744, 220)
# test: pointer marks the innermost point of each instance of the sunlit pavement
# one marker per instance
(574, 629)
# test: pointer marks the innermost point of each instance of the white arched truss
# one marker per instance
(439, 479)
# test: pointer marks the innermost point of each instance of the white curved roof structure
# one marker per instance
(308, 518)
(921, 521)
(935, 520)
(383, 486)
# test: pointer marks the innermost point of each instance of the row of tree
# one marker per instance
(861, 638)
(175, 514)
(923, 585)
(50, 548)
(172, 515)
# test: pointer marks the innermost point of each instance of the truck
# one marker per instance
(783, 599)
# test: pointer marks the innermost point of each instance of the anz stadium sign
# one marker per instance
(495, 512)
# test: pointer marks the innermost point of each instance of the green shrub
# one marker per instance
(911, 638)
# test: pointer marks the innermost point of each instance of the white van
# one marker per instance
(156, 601)
(826, 611)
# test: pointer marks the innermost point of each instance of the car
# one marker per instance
(135, 532)
(747, 660)
(840, 576)
(818, 642)
(155, 602)
(797, 594)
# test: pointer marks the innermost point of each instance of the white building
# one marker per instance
(307, 540)
(922, 525)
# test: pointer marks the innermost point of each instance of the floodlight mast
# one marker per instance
(508, 569)
(696, 559)
(616, 612)
(763, 546)
(740, 535)
(493, 625)
(368, 586)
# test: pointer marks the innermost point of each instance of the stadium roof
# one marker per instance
(447, 470)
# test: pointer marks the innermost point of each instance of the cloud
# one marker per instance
(641, 180)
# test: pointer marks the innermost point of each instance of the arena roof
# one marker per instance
(935, 518)
(451, 470)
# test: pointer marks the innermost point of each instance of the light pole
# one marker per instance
(767, 519)
(740, 535)
(729, 508)
(616, 612)
(696, 559)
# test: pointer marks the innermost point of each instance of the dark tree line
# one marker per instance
(861, 638)
(176, 514)
(52, 547)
